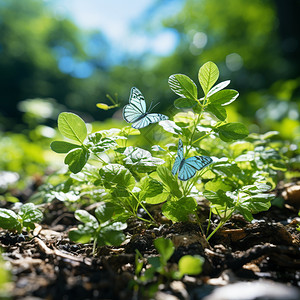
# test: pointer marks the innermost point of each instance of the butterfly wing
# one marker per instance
(141, 123)
(179, 158)
(136, 108)
(147, 119)
(193, 164)
(135, 111)
(154, 118)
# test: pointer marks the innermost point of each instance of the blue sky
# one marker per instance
(122, 22)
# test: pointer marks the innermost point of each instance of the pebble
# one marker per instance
(260, 289)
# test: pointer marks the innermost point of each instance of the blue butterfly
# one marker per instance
(135, 112)
(187, 168)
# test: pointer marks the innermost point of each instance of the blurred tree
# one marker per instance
(289, 29)
(43, 55)
(243, 38)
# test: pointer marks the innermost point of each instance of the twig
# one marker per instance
(45, 249)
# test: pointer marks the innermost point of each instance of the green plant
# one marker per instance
(104, 168)
(103, 229)
(161, 268)
(239, 178)
(26, 218)
(187, 265)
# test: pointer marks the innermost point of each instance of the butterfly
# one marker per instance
(187, 168)
(135, 112)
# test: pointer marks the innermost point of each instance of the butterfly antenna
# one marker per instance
(151, 107)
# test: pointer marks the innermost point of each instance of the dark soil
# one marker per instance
(46, 265)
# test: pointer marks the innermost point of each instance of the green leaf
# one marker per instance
(30, 215)
(270, 155)
(217, 184)
(8, 219)
(105, 106)
(232, 131)
(260, 202)
(117, 175)
(62, 147)
(118, 226)
(100, 145)
(184, 119)
(239, 147)
(249, 156)
(72, 127)
(226, 169)
(257, 203)
(208, 75)
(86, 218)
(82, 235)
(269, 135)
(169, 180)
(110, 237)
(256, 188)
(218, 111)
(158, 198)
(170, 126)
(76, 159)
(183, 86)
(150, 187)
(104, 212)
(224, 97)
(221, 198)
(165, 247)
(157, 148)
(70, 196)
(246, 212)
(155, 263)
(183, 103)
(252, 204)
(119, 191)
(141, 160)
(179, 210)
(218, 87)
(190, 265)
(128, 130)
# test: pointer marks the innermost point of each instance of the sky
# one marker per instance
(122, 22)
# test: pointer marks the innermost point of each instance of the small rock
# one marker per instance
(262, 290)
(292, 195)
(165, 296)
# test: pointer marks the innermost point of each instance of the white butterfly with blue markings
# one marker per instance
(135, 112)
(187, 168)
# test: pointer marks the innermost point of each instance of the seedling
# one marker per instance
(187, 265)
(101, 228)
(26, 218)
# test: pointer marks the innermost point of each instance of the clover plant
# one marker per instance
(100, 229)
(26, 218)
(233, 170)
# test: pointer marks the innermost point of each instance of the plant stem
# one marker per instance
(94, 246)
(201, 138)
(199, 222)
(143, 206)
(209, 220)
(104, 162)
(222, 222)
(192, 135)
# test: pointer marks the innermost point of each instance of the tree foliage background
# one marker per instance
(255, 43)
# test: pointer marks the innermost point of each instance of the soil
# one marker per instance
(46, 265)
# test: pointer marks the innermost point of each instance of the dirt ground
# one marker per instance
(46, 265)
